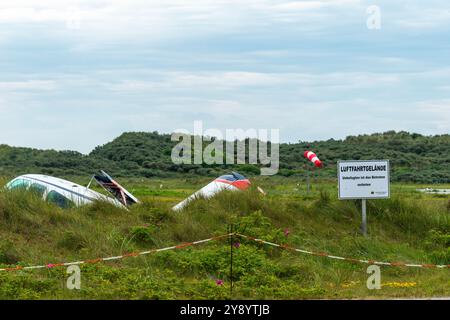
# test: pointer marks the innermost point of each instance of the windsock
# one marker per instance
(311, 156)
(233, 182)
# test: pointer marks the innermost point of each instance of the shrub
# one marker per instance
(72, 241)
(8, 253)
(142, 235)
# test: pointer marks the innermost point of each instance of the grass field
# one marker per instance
(409, 227)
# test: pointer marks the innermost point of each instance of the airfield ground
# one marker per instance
(410, 227)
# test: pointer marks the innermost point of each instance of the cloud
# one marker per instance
(435, 113)
(163, 19)
(172, 18)
(419, 18)
(310, 68)
(238, 79)
(29, 85)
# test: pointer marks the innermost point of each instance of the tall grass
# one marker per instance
(34, 232)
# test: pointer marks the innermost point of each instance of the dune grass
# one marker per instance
(409, 227)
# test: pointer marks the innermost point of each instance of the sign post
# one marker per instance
(364, 179)
(364, 217)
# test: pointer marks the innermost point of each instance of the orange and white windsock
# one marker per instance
(311, 156)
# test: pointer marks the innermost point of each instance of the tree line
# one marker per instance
(414, 157)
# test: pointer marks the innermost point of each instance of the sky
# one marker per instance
(76, 74)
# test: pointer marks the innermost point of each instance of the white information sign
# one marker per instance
(364, 179)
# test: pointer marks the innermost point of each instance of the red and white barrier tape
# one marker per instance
(127, 255)
(326, 255)
(190, 244)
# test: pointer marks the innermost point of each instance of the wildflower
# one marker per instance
(400, 284)
(237, 245)
(351, 284)
(287, 233)
(220, 282)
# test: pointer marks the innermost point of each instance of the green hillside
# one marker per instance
(414, 158)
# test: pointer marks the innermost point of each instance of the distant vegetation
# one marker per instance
(414, 157)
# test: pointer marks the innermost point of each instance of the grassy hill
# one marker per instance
(414, 158)
(410, 227)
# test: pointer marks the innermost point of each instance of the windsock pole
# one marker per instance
(312, 157)
(308, 178)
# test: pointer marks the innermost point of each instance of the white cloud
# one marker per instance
(310, 68)
(424, 18)
(117, 18)
(27, 85)
(236, 79)
(163, 19)
(436, 113)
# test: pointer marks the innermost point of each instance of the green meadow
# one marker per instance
(410, 227)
